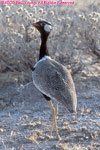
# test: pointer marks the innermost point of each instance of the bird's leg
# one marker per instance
(55, 122)
(54, 111)
(51, 106)
(55, 114)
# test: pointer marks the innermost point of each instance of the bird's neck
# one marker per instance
(43, 47)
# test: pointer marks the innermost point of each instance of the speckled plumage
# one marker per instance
(54, 80)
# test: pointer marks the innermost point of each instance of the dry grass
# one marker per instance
(74, 40)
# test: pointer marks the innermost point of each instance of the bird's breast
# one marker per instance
(41, 60)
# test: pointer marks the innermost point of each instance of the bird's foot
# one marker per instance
(52, 137)
(49, 136)
(59, 138)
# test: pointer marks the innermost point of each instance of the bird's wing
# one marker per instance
(59, 84)
(55, 81)
(61, 88)
(65, 75)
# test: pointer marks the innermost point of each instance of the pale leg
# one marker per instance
(55, 122)
(54, 111)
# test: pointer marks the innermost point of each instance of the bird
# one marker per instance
(52, 78)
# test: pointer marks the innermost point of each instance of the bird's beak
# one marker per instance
(35, 25)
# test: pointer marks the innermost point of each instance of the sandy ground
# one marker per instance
(25, 119)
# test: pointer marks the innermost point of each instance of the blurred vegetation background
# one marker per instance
(74, 40)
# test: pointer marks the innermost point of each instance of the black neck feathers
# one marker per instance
(43, 47)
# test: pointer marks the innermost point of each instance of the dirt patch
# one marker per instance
(25, 119)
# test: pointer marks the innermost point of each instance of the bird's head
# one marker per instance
(43, 27)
